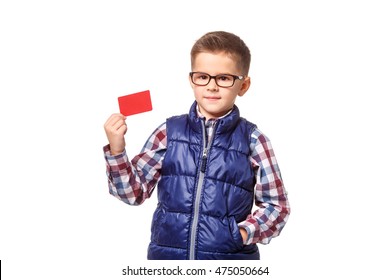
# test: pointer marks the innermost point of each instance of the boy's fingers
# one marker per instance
(114, 119)
(122, 130)
(116, 126)
(115, 116)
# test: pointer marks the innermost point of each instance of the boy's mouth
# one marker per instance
(212, 98)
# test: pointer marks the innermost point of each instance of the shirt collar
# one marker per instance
(210, 120)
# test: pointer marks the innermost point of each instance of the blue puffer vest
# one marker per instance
(204, 190)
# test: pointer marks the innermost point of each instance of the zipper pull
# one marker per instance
(204, 161)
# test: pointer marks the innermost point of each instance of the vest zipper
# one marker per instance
(204, 161)
(194, 225)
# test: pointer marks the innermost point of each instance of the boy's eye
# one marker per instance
(203, 77)
(224, 78)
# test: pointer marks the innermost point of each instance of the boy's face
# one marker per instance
(215, 101)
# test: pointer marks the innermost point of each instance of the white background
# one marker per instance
(320, 84)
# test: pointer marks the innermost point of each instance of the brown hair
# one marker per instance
(221, 41)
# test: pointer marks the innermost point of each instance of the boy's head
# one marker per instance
(223, 42)
(220, 65)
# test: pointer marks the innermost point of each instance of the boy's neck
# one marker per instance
(200, 115)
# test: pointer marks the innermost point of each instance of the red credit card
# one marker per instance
(135, 103)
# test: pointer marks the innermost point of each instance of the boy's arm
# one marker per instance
(133, 182)
(270, 196)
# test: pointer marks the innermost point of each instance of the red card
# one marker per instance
(135, 103)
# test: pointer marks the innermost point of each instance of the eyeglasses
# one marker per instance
(222, 80)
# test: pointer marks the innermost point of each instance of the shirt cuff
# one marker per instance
(251, 226)
(116, 163)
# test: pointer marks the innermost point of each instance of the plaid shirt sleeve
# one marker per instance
(133, 182)
(270, 195)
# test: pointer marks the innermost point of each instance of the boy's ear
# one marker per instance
(245, 86)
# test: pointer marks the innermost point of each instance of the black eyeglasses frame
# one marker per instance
(235, 77)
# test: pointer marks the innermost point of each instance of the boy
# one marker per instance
(210, 165)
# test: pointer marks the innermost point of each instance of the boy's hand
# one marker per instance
(244, 234)
(116, 128)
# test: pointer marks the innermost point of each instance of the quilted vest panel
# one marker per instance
(205, 224)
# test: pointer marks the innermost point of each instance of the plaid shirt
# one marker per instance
(133, 182)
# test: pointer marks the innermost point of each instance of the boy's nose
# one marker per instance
(212, 84)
